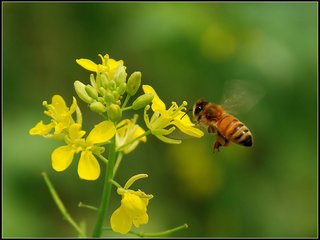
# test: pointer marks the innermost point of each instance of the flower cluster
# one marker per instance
(108, 94)
(61, 118)
(104, 94)
(163, 118)
(66, 129)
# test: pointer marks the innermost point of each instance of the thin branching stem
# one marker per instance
(61, 206)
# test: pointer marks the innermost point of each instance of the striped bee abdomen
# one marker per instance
(234, 130)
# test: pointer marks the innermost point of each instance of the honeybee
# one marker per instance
(220, 122)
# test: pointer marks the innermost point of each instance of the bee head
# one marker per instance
(198, 107)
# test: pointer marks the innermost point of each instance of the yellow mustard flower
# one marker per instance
(88, 166)
(61, 118)
(133, 208)
(41, 129)
(162, 118)
(108, 66)
(127, 131)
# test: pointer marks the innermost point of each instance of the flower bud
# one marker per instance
(142, 101)
(108, 96)
(111, 85)
(93, 81)
(122, 88)
(133, 83)
(114, 112)
(97, 107)
(116, 95)
(97, 80)
(121, 76)
(101, 99)
(92, 92)
(102, 91)
(104, 81)
(80, 90)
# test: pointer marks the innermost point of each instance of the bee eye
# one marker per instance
(197, 109)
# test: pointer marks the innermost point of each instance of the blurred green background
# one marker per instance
(185, 51)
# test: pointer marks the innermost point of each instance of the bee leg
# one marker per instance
(211, 129)
(221, 141)
(217, 145)
(226, 142)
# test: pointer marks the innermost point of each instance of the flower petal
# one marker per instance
(104, 58)
(157, 103)
(101, 132)
(59, 106)
(87, 64)
(73, 106)
(61, 158)
(133, 205)
(168, 140)
(113, 66)
(122, 127)
(163, 131)
(88, 167)
(41, 129)
(146, 117)
(61, 125)
(139, 131)
(187, 127)
(120, 221)
(75, 131)
(143, 219)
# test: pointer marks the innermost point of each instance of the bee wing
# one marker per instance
(240, 96)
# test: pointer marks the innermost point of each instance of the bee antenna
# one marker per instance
(189, 110)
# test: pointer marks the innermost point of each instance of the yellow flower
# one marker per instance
(163, 118)
(61, 118)
(109, 66)
(41, 129)
(127, 131)
(88, 167)
(133, 208)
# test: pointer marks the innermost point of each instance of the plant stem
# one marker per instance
(61, 206)
(126, 108)
(159, 234)
(102, 211)
(125, 101)
(102, 158)
(87, 206)
(156, 234)
(118, 161)
(115, 183)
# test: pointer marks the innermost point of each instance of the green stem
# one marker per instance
(87, 206)
(102, 158)
(125, 101)
(159, 234)
(118, 161)
(115, 183)
(102, 211)
(83, 226)
(126, 108)
(156, 234)
(61, 206)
